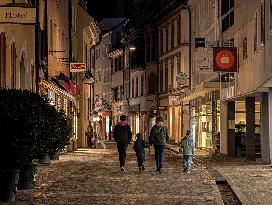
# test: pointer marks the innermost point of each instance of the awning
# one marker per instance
(202, 89)
(67, 83)
(57, 90)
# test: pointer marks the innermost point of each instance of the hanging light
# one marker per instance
(88, 78)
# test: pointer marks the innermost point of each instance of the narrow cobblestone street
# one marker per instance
(92, 176)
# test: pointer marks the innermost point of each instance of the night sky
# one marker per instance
(100, 9)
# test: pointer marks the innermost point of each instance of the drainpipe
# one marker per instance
(158, 83)
(70, 33)
(37, 46)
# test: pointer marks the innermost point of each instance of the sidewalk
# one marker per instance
(251, 181)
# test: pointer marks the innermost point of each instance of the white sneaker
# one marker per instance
(122, 169)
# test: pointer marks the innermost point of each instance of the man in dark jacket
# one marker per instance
(159, 137)
(122, 136)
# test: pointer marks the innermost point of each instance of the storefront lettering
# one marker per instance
(18, 15)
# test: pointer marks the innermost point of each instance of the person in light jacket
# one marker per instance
(188, 148)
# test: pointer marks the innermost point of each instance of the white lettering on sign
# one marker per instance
(77, 67)
(18, 15)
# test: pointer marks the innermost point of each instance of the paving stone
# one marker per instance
(92, 176)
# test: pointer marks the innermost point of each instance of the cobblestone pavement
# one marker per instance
(251, 183)
(92, 176)
(250, 180)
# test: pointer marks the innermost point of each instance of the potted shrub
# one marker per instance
(19, 113)
(32, 127)
(57, 135)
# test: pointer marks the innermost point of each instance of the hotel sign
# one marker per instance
(18, 15)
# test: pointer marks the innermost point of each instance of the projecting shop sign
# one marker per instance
(225, 59)
(17, 15)
(77, 67)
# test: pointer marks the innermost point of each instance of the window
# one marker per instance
(161, 41)
(153, 47)
(2, 59)
(137, 87)
(151, 85)
(178, 65)
(132, 87)
(245, 48)
(51, 42)
(22, 71)
(166, 76)
(172, 71)
(148, 47)
(262, 23)
(172, 34)
(142, 85)
(270, 15)
(32, 77)
(255, 32)
(178, 29)
(13, 65)
(227, 12)
(167, 38)
(161, 79)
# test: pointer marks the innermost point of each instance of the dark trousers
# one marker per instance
(140, 160)
(159, 155)
(122, 150)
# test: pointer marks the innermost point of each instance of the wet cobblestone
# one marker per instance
(93, 177)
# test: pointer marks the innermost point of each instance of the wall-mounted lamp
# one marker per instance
(88, 78)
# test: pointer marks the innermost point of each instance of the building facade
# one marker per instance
(18, 66)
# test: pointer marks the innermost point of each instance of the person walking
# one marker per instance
(122, 136)
(159, 138)
(90, 135)
(99, 138)
(138, 147)
(188, 148)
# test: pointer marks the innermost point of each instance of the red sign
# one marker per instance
(225, 59)
(77, 67)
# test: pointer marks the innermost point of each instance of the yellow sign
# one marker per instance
(17, 15)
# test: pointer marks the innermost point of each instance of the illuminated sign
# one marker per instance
(18, 15)
(77, 67)
(225, 59)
